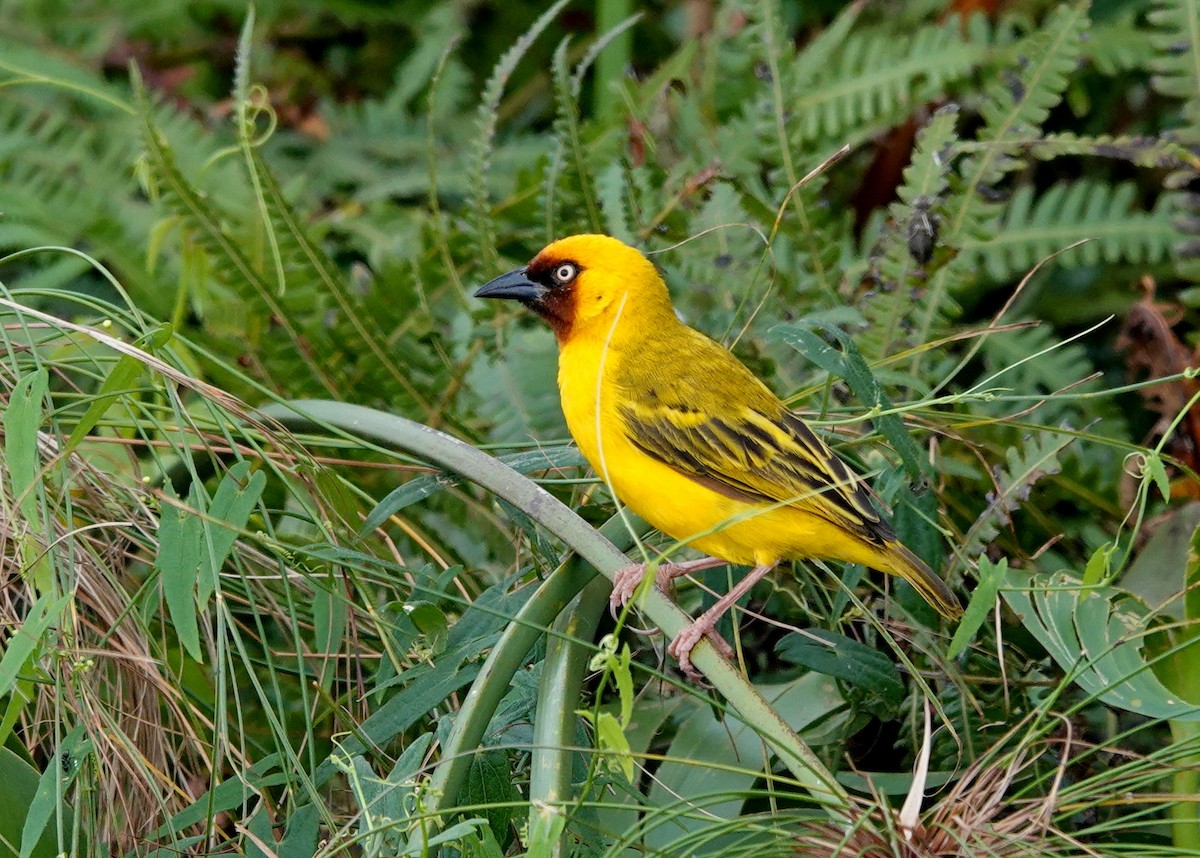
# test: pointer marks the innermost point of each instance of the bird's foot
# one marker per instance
(629, 578)
(686, 640)
(625, 584)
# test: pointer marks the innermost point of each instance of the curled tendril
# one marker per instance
(1138, 472)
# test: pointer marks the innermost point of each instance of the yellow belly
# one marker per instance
(740, 532)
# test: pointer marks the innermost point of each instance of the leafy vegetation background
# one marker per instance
(247, 608)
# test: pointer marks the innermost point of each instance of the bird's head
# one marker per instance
(579, 284)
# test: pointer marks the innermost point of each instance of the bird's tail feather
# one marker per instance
(933, 589)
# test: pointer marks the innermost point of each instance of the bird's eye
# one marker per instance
(565, 273)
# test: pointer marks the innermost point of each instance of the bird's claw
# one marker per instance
(625, 583)
(686, 640)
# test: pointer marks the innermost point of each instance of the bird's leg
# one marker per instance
(706, 624)
(628, 578)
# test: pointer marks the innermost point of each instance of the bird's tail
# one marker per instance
(900, 561)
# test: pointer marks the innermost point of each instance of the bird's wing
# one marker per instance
(754, 454)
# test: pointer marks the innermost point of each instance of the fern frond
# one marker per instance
(206, 224)
(1035, 457)
(610, 189)
(876, 80)
(1015, 106)
(1154, 153)
(488, 117)
(567, 128)
(1176, 65)
(1118, 46)
(889, 310)
(1022, 98)
(1034, 228)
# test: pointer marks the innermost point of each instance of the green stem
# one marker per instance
(614, 60)
(1185, 820)
(503, 662)
(558, 698)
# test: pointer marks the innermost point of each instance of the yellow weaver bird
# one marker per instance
(689, 439)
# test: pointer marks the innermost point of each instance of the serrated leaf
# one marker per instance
(848, 660)
(490, 788)
(1036, 457)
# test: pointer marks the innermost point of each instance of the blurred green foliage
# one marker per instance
(309, 201)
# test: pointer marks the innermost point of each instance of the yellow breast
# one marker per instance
(710, 522)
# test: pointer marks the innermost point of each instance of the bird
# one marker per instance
(690, 439)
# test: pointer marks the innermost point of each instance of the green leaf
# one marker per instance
(983, 599)
(849, 365)
(119, 382)
(1098, 636)
(431, 621)
(178, 562)
(490, 788)
(848, 660)
(611, 741)
(22, 419)
(230, 510)
(545, 833)
(722, 757)
(45, 800)
(18, 786)
(1099, 564)
(300, 836)
(1176, 64)
(1157, 471)
(22, 643)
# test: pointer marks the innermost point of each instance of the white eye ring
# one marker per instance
(565, 273)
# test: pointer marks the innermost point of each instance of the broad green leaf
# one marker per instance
(1098, 636)
(300, 836)
(712, 761)
(490, 789)
(432, 623)
(1156, 573)
(179, 558)
(848, 660)
(259, 825)
(18, 786)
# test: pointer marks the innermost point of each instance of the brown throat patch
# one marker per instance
(557, 306)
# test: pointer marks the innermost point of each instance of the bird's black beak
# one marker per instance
(515, 285)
